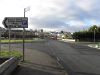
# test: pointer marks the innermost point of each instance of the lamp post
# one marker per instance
(94, 34)
(25, 10)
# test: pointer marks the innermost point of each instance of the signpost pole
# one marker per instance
(17, 22)
(23, 44)
(24, 40)
(0, 41)
(9, 40)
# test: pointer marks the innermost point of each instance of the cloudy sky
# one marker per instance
(56, 15)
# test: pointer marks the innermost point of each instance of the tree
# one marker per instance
(98, 29)
(88, 35)
(92, 28)
(41, 30)
(62, 32)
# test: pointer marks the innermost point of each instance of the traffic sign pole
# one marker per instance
(25, 10)
(23, 44)
(17, 22)
(9, 40)
(0, 41)
(24, 40)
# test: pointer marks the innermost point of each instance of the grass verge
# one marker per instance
(20, 40)
(15, 41)
(6, 53)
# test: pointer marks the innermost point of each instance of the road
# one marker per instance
(76, 59)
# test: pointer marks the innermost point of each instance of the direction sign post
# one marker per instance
(1, 31)
(0, 40)
(23, 44)
(24, 40)
(17, 22)
(9, 41)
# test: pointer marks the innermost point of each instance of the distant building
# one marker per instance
(19, 34)
(64, 35)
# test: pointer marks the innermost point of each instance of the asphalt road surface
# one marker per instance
(76, 59)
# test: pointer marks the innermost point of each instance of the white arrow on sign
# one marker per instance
(15, 22)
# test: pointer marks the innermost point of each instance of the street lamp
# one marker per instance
(25, 10)
(94, 34)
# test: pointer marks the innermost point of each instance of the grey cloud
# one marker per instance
(59, 19)
(47, 22)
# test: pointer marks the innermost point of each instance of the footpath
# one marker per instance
(38, 63)
(97, 46)
(90, 44)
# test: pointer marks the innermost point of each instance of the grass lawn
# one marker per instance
(6, 53)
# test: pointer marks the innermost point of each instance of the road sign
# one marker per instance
(15, 22)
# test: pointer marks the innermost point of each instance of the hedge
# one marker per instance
(86, 36)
